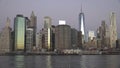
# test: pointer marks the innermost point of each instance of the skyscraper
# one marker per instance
(103, 36)
(74, 38)
(62, 37)
(5, 38)
(29, 39)
(33, 23)
(42, 39)
(19, 29)
(82, 26)
(53, 37)
(113, 30)
(47, 32)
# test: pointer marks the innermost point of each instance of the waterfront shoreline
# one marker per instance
(53, 54)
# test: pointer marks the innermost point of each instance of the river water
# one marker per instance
(71, 61)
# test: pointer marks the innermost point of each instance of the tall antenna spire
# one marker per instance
(8, 22)
(81, 8)
(32, 14)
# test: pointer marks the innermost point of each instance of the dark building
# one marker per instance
(103, 34)
(118, 44)
(80, 40)
(12, 41)
(62, 37)
(74, 38)
(53, 37)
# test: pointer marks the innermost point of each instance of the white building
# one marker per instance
(5, 38)
(113, 30)
(91, 35)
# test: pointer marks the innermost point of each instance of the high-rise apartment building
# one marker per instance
(5, 38)
(113, 30)
(19, 30)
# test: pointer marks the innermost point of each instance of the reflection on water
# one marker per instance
(48, 62)
(114, 62)
(19, 61)
(73, 61)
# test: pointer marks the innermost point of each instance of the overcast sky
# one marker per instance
(95, 11)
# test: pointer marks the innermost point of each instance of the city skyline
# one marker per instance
(95, 11)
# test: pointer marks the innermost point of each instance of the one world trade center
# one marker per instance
(82, 26)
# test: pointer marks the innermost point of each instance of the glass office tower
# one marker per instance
(19, 28)
(47, 29)
(82, 26)
(82, 23)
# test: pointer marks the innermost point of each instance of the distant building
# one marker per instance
(33, 24)
(38, 46)
(107, 37)
(29, 39)
(5, 38)
(91, 35)
(118, 44)
(12, 41)
(41, 39)
(47, 22)
(62, 37)
(79, 41)
(103, 37)
(103, 34)
(47, 38)
(47, 33)
(53, 37)
(19, 30)
(99, 39)
(113, 30)
(74, 38)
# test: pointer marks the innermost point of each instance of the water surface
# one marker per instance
(71, 61)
